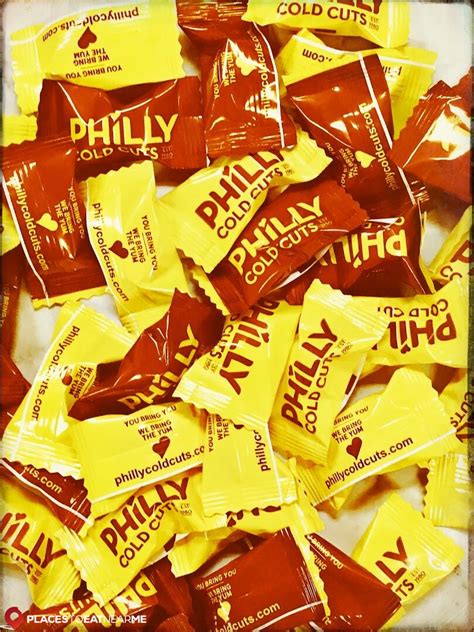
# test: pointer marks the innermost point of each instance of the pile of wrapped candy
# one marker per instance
(164, 470)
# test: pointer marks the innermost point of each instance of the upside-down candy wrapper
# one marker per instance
(252, 351)
(154, 587)
(151, 370)
(28, 540)
(381, 258)
(356, 598)
(15, 129)
(215, 204)
(269, 587)
(405, 551)
(49, 214)
(12, 265)
(102, 47)
(123, 542)
(250, 478)
(436, 142)
(458, 399)
(281, 237)
(408, 70)
(137, 449)
(131, 241)
(335, 334)
(111, 128)
(347, 111)
(426, 328)
(35, 435)
(383, 22)
(454, 258)
(382, 433)
(243, 114)
(13, 387)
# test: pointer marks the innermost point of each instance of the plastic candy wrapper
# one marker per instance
(335, 334)
(356, 598)
(454, 258)
(381, 258)
(130, 239)
(28, 540)
(36, 434)
(13, 388)
(347, 110)
(253, 350)
(405, 551)
(123, 542)
(102, 47)
(283, 235)
(435, 144)
(381, 433)
(244, 592)
(138, 449)
(458, 399)
(151, 370)
(250, 478)
(240, 82)
(46, 206)
(426, 329)
(154, 588)
(215, 204)
(408, 70)
(12, 265)
(159, 121)
(378, 21)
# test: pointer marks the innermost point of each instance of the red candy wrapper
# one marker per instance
(49, 214)
(381, 258)
(154, 597)
(240, 82)
(160, 121)
(357, 600)
(150, 371)
(12, 266)
(347, 110)
(435, 144)
(13, 388)
(268, 588)
(284, 234)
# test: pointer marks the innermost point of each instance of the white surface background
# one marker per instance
(444, 28)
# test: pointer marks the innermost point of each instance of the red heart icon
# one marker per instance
(87, 38)
(354, 447)
(67, 379)
(118, 249)
(162, 445)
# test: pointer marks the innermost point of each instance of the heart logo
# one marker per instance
(354, 447)
(224, 610)
(87, 38)
(67, 379)
(365, 160)
(246, 65)
(46, 221)
(162, 445)
(238, 426)
(118, 249)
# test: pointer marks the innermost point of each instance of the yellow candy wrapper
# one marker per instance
(252, 352)
(102, 47)
(405, 551)
(190, 553)
(135, 450)
(384, 22)
(381, 433)
(131, 240)
(448, 491)
(37, 434)
(28, 540)
(408, 71)
(15, 129)
(335, 334)
(426, 328)
(249, 479)
(454, 257)
(458, 400)
(215, 204)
